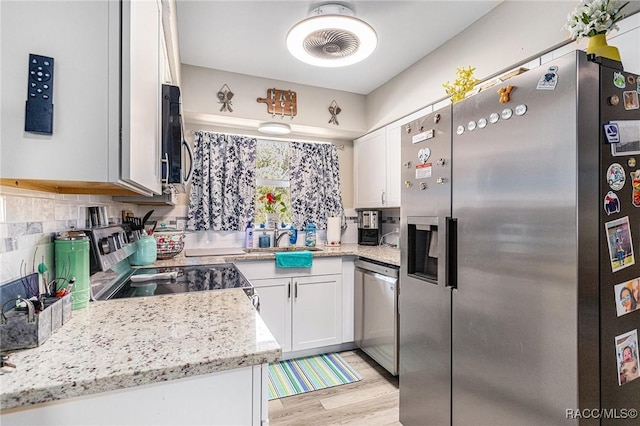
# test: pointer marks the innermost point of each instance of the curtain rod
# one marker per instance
(340, 147)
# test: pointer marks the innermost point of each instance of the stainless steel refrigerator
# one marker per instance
(519, 234)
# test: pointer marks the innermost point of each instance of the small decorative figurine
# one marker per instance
(505, 93)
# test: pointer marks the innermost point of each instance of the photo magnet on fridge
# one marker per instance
(620, 243)
(627, 296)
(627, 357)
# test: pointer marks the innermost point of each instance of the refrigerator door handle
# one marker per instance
(451, 259)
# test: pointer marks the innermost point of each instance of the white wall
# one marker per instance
(512, 33)
(200, 104)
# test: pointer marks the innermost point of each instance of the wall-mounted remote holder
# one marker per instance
(39, 109)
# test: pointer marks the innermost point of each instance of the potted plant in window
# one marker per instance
(273, 205)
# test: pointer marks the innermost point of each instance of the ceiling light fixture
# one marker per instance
(274, 128)
(331, 37)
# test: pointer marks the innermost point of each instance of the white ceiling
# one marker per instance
(248, 37)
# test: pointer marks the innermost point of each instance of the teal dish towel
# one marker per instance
(294, 259)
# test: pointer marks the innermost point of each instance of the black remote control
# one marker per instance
(39, 109)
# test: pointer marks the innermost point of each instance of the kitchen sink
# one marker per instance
(280, 249)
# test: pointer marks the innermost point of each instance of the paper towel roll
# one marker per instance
(333, 231)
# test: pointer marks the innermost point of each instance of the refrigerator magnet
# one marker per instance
(424, 154)
(611, 203)
(627, 357)
(423, 171)
(619, 80)
(549, 80)
(620, 244)
(616, 176)
(627, 296)
(630, 99)
(635, 188)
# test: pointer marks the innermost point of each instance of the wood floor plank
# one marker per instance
(275, 405)
(360, 395)
(373, 401)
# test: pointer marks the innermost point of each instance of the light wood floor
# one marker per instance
(373, 401)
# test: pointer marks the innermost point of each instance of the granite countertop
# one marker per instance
(117, 344)
(384, 253)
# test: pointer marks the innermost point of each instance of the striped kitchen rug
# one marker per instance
(295, 376)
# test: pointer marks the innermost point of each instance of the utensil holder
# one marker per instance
(22, 330)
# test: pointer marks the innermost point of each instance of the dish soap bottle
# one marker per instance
(310, 235)
(293, 235)
(248, 236)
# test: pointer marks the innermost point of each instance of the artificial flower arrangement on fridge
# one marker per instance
(595, 19)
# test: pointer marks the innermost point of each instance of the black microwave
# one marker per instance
(173, 141)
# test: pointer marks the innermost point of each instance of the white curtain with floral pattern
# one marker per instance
(223, 186)
(315, 184)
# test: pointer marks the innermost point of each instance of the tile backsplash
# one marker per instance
(30, 219)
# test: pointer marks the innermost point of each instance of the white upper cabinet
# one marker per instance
(392, 198)
(377, 168)
(370, 174)
(141, 91)
(106, 96)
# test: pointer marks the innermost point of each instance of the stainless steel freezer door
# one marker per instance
(515, 189)
(425, 355)
(425, 306)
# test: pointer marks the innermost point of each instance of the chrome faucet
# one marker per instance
(277, 236)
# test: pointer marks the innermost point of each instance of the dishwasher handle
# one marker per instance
(386, 270)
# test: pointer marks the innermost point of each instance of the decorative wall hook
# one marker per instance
(224, 97)
(334, 110)
(280, 102)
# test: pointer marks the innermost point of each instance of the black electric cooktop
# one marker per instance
(189, 278)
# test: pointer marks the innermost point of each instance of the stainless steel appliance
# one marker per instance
(113, 278)
(173, 141)
(376, 312)
(511, 210)
(369, 229)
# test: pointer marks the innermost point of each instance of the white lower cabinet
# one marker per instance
(231, 397)
(302, 312)
(275, 308)
(302, 307)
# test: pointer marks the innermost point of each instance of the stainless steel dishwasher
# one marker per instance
(376, 312)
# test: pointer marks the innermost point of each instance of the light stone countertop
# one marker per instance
(385, 254)
(123, 343)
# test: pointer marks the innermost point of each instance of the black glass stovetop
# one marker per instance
(189, 278)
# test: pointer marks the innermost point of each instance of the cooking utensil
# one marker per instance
(146, 217)
(159, 276)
